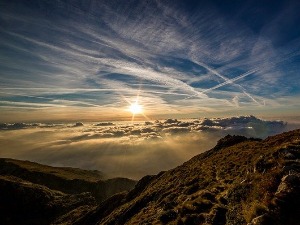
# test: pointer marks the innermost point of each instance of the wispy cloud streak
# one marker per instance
(98, 53)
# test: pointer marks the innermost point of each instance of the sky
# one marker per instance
(89, 60)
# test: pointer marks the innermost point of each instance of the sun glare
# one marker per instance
(135, 108)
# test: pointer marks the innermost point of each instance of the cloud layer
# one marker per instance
(125, 149)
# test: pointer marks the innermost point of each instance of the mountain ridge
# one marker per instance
(248, 182)
(66, 179)
(239, 181)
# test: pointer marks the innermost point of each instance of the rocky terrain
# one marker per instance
(239, 181)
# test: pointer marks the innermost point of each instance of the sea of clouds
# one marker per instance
(127, 149)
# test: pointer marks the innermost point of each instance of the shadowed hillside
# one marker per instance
(240, 181)
(64, 179)
(23, 202)
(31, 193)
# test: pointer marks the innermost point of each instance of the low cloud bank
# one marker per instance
(18, 126)
(243, 125)
(126, 149)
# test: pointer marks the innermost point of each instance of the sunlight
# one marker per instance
(135, 108)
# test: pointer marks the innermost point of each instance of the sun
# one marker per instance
(135, 108)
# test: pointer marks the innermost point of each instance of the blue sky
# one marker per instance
(89, 60)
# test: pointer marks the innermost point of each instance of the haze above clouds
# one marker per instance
(125, 149)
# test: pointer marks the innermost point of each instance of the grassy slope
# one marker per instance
(226, 185)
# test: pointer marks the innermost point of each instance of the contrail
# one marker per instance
(274, 63)
(224, 78)
(251, 97)
(230, 81)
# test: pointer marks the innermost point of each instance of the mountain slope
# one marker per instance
(239, 181)
(31, 193)
(23, 202)
(64, 179)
